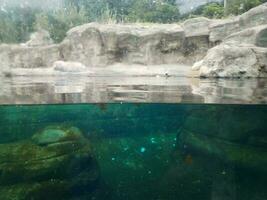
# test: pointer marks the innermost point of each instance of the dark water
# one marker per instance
(133, 151)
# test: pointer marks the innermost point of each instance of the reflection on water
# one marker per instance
(40, 90)
(133, 151)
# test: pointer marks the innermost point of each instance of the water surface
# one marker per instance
(58, 90)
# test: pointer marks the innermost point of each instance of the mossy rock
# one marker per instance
(233, 124)
(31, 167)
(54, 134)
(238, 154)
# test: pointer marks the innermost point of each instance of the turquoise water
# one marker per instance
(133, 151)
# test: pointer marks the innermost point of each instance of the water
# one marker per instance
(155, 151)
(61, 90)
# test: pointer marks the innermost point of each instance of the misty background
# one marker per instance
(184, 5)
(20, 18)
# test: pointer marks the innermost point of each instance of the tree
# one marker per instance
(237, 7)
(154, 11)
(213, 10)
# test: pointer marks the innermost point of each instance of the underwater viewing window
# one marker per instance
(133, 100)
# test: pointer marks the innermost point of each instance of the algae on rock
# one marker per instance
(56, 163)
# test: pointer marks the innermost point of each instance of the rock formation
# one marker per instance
(56, 163)
(221, 154)
(243, 51)
(98, 45)
(213, 132)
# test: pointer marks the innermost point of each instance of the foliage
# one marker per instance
(154, 11)
(60, 21)
(213, 10)
(210, 10)
(240, 6)
(16, 24)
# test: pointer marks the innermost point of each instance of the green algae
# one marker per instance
(133, 151)
(28, 170)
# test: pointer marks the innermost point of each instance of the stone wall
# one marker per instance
(98, 45)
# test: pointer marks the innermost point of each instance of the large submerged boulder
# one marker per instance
(56, 163)
(228, 134)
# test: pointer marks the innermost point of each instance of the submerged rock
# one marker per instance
(52, 135)
(228, 134)
(246, 156)
(57, 163)
(221, 153)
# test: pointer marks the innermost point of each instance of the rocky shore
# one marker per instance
(233, 47)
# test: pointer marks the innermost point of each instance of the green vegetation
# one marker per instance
(210, 10)
(238, 7)
(154, 11)
(213, 10)
(16, 24)
(60, 21)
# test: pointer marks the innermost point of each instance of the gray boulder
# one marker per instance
(223, 28)
(255, 36)
(242, 54)
(197, 26)
(18, 56)
(100, 45)
(233, 62)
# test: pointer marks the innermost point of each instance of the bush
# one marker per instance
(154, 11)
(213, 10)
(58, 22)
(16, 24)
(240, 6)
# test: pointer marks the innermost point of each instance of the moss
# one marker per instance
(29, 170)
(240, 155)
